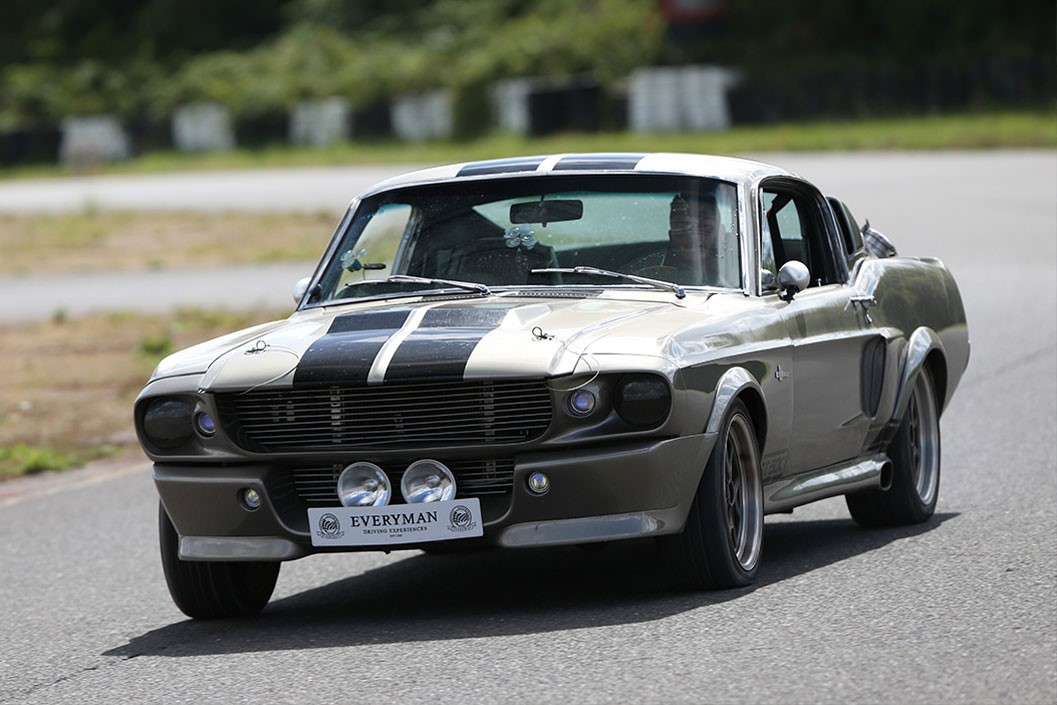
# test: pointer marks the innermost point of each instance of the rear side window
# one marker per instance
(850, 234)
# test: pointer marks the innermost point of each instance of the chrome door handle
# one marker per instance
(865, 301)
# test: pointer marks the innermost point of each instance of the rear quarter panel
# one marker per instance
(913, 293)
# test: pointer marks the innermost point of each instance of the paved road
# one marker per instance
(961, 610)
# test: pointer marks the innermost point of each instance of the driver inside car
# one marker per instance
(699, 248)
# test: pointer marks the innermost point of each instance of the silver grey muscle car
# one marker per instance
(561, 349)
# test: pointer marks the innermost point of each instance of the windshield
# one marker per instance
(496, 232)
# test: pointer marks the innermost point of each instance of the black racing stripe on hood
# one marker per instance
(501, 166)
(345, 354)
(441, 346)
(594, 162)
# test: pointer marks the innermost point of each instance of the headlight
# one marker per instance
(643, 399)
(167, 423)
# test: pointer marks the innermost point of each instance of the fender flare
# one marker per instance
(921, 344)
(731, 385)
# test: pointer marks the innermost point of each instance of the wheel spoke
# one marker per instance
(735, 510)
(914, 439)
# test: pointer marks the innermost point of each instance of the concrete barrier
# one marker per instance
(94, 140)
(422, 116)
(202, 127)
(678, 99)
(321, 122)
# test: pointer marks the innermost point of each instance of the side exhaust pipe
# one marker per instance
(872, 473)
(885, 476)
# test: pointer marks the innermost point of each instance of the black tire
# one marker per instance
(213, 590)
(915, 455)
(721, 544)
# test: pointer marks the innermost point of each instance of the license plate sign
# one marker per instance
(395, 524)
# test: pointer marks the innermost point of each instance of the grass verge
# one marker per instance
(67, 389)
(21, 459)
(1020, 129)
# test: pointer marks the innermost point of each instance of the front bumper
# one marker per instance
(601, 493)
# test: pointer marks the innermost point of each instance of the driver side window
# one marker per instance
(791, 229)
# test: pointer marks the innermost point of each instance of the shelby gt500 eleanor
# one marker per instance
(562, 349)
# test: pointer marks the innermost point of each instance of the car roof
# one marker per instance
(724, 168)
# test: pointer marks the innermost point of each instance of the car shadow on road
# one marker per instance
(503, 593)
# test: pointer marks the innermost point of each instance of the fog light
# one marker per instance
(581, 402)
(205, 424)
(250, 498)
(363, 485)
(538, 483)
(427, 481)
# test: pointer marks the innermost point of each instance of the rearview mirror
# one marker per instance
(544, 212)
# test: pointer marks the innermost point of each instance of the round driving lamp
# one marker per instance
(581, 402)
(427, 481)
(204, 424)
(643, 400)
(167, 423)
(363, 484)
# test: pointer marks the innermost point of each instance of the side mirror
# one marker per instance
(793, 278)
(300, 288)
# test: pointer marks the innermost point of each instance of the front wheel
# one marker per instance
(720, 545)
(915, 454)
(213, 590)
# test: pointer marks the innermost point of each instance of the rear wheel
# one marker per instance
(720, 545)
(915, 454)
(213, 590)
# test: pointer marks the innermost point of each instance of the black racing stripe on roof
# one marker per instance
(442, 344)
(345, 354)
(501, 166)
(593, 162)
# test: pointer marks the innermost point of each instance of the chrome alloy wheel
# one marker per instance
(743, 494)
(923, 422)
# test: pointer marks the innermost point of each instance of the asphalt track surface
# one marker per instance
(959, 610)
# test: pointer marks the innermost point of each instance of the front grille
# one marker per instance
(318, 487)
(438, 414)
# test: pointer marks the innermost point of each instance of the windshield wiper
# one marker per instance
(468, 286)
(679, 291)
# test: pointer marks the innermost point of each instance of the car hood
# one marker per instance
(490, 338)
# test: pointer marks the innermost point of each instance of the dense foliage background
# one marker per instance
(141, 58)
